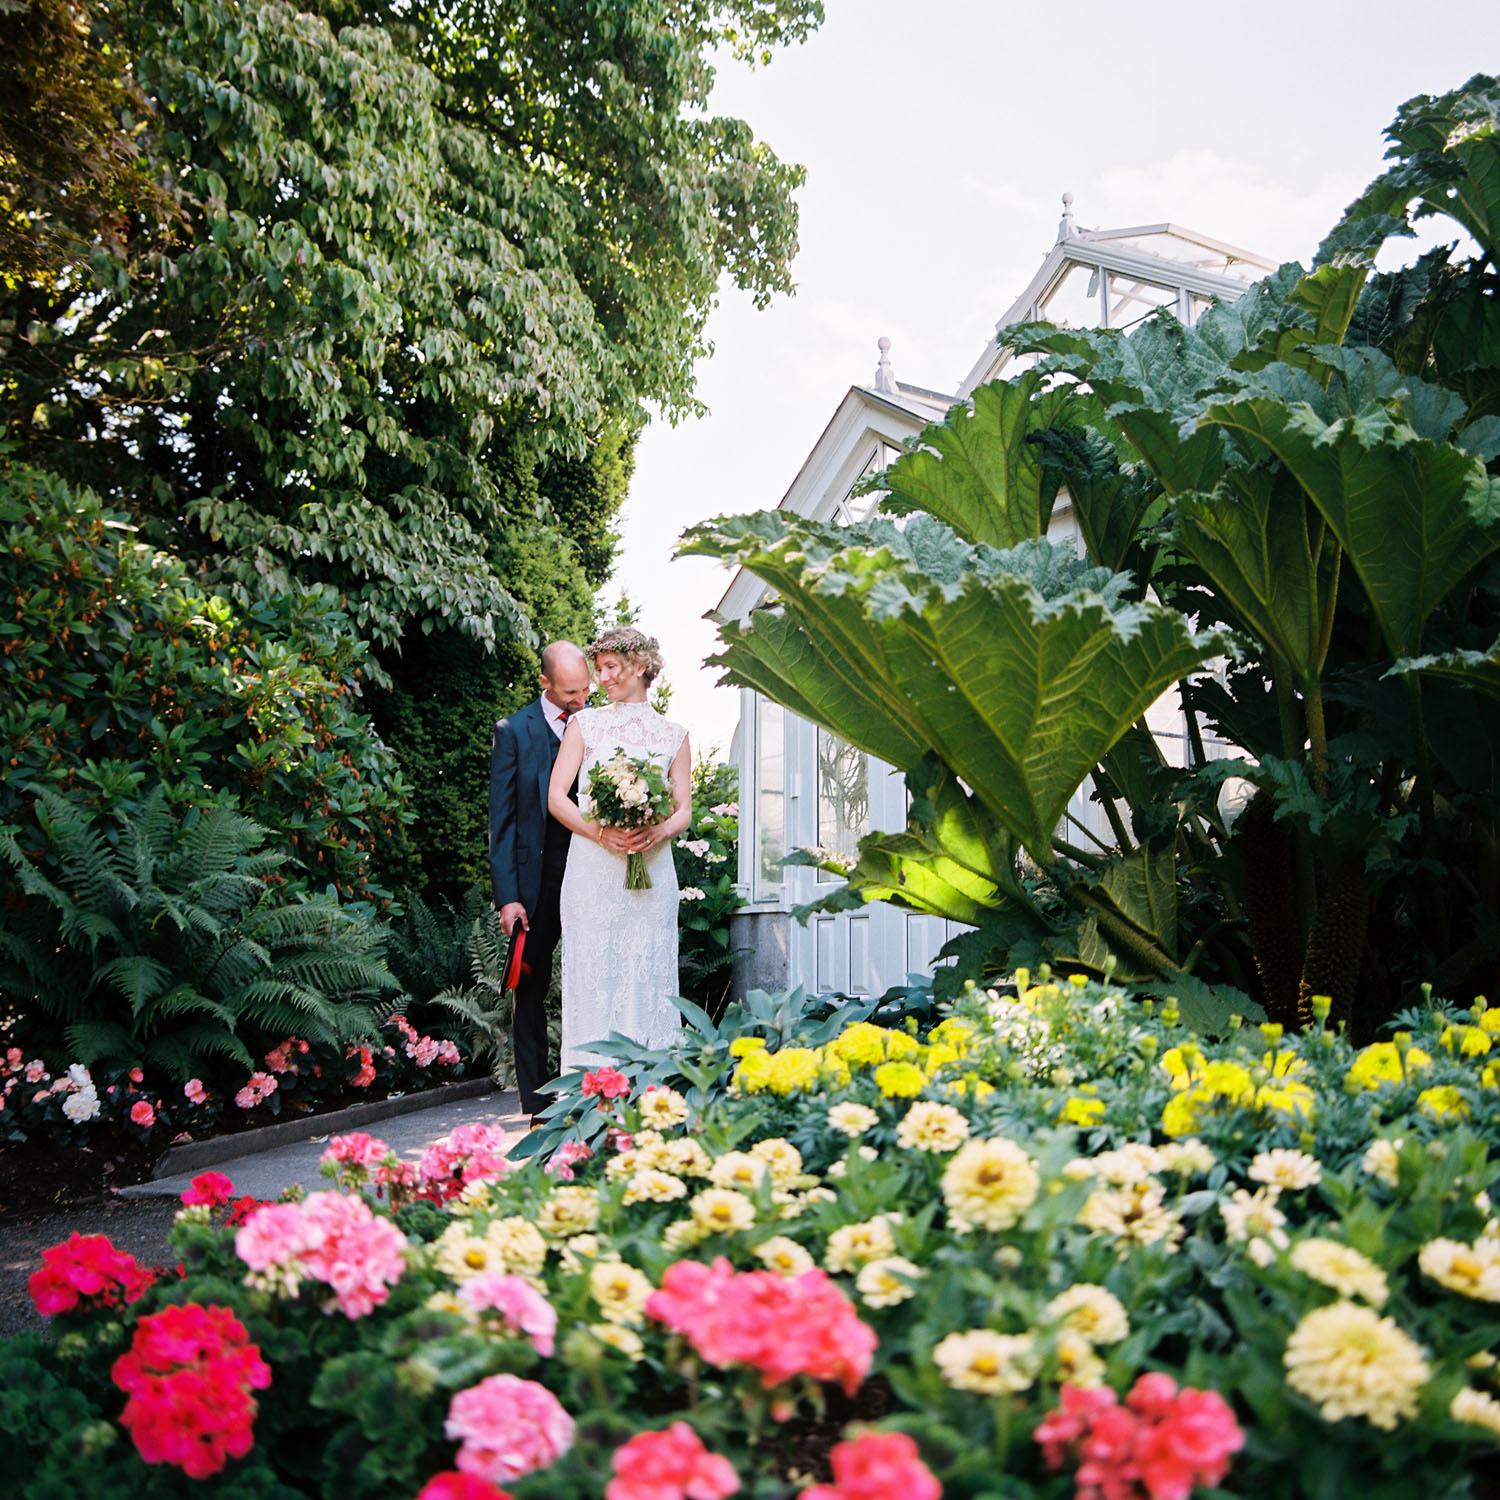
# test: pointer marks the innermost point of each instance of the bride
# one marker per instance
(619, 951)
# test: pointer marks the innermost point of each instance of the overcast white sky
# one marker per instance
(938, 140)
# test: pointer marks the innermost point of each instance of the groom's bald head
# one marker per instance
(565, 675)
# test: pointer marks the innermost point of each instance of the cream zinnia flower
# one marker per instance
(739, 1170)
(1291, 1170)
(652, 1186)
(1092, 1312)
(1076, 1361)
(519, 1243)
(929, 1126)
(1255, 1214)
(578, 1254)
(989, 1184)
(1343, 1268)
(782, 1158)
(621, 1292)
(662, 1107)
(619, 1337)
(568, 1211)
(1187, 1157)
(784, 1256)
(1133, 1215)
(1476, 1409)
(987, 1362)
(887, 1281)
(852, 1119)
(683, 1234)
(1382, 1161)
(722, 1211)
(1470, 1270)
(854, 1245)
(1354, 1363)
(460, 1255)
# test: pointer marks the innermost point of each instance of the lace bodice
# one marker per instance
(635, 728)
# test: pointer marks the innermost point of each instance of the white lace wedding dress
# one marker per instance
(619, 947)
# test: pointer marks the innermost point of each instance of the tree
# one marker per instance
(416, 234)
(1301, 485)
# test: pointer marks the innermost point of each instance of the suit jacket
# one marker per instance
(520, 768)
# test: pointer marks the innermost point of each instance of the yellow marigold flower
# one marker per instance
(900, 1080)
(722, 1211)
(1467, 1041)
(1490, 1077)
(1178, 1063)
(887, 1281)
(952, 1032)
(852, 1119)
(1476, 1408)
(784, 1256)
(1353, 1363)
(1092, 1312)
(929, 1126)
(652, 1186)
(743, 1046)
(1293, 1102)
(972, 1085)
(793, 1070)
(621, 1292)
(1284, 1064)
(1079, 1110)
(1443, 1104)
(1470, 1270)
(1382, 1161)
(683, 1234)
(520, 1244)
(861, 1045)
(1380, 1063)
(620, 1338)
(937, 1057)
(738, 1169)
(782, 1158)
(1187, 1158)
(1228, 1079)
(662, 1107)
(989, 1363)
(568, 1211)
(1185, 1112)
(753, 1075)
(989, 1184)
(900, 1044)
(1341, 1267)
(1490, 1020)
(1135, 1215)
(854, 1245)
(1291, 1170)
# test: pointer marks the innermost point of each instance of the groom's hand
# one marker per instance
(511, 913)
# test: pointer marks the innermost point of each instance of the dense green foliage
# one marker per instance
(1304, 479)
(706, 856)
(120, 673)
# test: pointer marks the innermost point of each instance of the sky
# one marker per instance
(938, 141)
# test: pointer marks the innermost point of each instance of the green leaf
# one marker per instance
(1413, 516)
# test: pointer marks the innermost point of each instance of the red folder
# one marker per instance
(514, 968)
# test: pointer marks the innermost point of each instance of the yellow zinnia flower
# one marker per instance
(989, 1363)
(989, 1184)
(1341, 1267)
(1092, 1312)
(621, 1292)
(1353, 1363)
(1470, 1270)
(887, 1281)
(929, 1126)
(722, 1211)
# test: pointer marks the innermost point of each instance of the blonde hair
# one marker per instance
(635, 646)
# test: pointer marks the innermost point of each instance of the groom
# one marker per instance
(529, 849)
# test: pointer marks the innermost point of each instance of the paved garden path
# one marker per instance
(277, 1162)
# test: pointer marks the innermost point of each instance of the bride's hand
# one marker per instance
(643, 840)
(617, 839)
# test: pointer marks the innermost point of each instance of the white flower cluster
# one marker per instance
(82, 1102)
(697, 847)
(690, 893)
(1026, 1034)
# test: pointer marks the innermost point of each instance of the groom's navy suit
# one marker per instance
(528, 854)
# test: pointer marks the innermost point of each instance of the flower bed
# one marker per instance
(1056, 1247)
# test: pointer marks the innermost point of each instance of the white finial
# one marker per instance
(1067, 229)
(885, 376)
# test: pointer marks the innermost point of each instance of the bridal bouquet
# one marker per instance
(630, 793)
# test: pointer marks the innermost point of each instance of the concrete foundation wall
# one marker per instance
(765, 966)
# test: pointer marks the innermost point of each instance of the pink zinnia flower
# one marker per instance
(670, 1465)
(877, 1466)
(141, 1113)
(508, 1427)
(522, 1308)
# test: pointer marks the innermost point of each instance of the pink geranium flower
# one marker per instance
(508, 1427)
(211, 1188)
(522, 1308)
(670, 1465)
(356, 1149)
(877, 1466)
(607, 1083)
(452, 1485)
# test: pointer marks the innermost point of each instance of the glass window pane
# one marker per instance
(770, 781)
(843, 798)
